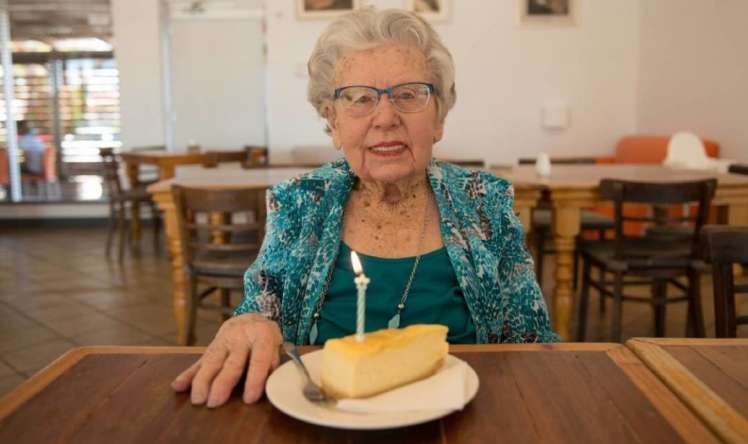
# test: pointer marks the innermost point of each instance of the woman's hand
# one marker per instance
(246, 338)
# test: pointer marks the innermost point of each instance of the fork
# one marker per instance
(311, 391)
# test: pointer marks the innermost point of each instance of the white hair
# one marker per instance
(368, 28)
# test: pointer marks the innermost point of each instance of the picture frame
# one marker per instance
(324, 9)
(431, 10)
(559, 12)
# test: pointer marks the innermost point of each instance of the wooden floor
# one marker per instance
(57, 290)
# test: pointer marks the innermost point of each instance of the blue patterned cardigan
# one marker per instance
(483, 238)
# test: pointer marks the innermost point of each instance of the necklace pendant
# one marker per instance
(394, 321)
(313, 333)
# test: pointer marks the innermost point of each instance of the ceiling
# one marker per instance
(48, 20)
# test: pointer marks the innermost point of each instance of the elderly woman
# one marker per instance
(441, 244)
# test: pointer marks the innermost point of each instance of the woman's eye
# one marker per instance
(362, 100)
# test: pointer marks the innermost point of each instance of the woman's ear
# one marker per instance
(438, 131)
(332, 124)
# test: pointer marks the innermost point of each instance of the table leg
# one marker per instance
(179, 284)
(132, 170)
(566, 226)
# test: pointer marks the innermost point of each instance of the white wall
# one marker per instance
(694, 70)
(505, 72)
(137, 50)
(218, 82)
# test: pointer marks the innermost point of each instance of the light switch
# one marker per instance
(554, 115)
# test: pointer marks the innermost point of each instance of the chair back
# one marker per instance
(110, 172)
(658, 195)
(725, 246)
(738, 168)
(219, 221)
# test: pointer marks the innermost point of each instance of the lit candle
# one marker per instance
(361, 283)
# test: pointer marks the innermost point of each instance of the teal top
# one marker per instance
(435, 296)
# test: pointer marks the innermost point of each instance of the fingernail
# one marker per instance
(198, 398)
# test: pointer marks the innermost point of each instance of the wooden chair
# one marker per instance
(592, 223)
(221, 231)
(652, 260)
(725, 246)
(120, 200)
(738, 168)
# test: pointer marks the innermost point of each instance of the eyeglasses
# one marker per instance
(359, 100)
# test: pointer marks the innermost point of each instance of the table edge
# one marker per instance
(709, 407)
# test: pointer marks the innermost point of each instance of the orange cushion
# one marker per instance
(652, 149)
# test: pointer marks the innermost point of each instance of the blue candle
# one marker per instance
(361, 283)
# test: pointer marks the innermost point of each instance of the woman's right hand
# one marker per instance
(248, 338)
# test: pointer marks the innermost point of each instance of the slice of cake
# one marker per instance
(384, 360)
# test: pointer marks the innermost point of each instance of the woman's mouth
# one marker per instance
(388, 149)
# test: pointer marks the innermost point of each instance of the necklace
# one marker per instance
(394, 321)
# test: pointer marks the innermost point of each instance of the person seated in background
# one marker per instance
(33, 149)
(440, 243)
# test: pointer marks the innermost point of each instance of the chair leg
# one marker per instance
(575, 266)
(123, 228)
(584, 296)
(111, 227)
(602, 301)
(539, 255)
(617, 306)
(226, 302)
(659, 294)
(695, 312)
(191, 308)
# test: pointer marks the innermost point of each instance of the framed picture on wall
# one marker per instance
(432, 10)
(548, 11)
(312, 9)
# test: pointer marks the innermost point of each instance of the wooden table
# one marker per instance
(573, 187)
(528, 393)
(709, 375)
(225, 176)
(166, 162)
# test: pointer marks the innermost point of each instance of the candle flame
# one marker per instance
(357, 268)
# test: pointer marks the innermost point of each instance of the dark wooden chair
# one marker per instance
(221, 231)
(738, 168)
(591, 223)
(120, 200)
(725, 246)
(651, 260)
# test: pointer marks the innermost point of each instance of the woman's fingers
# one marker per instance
(184, 380)
(264, 355)
(227, 378)
(211, 364)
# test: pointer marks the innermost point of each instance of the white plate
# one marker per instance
(284, 385)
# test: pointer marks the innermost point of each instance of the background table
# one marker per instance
(709, 375)
(573, 187)
(528, 393)
(166, 162)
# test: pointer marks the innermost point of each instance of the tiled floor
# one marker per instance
(57, 291)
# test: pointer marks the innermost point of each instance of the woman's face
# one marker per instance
(387, 145)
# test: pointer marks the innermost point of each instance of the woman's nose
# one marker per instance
(385, 114)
